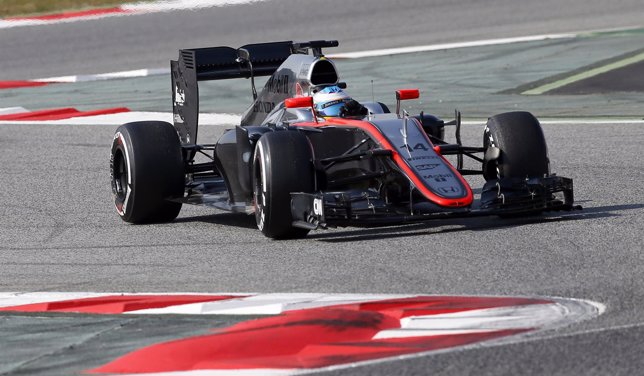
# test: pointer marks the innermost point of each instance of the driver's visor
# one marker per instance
(331, 108)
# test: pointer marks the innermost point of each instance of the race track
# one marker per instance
(59, 230)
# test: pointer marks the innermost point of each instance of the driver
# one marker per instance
(332, 101)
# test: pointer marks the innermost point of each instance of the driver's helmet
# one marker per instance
(330, 100)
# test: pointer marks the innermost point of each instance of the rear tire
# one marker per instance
(282, 164)
(524, 153)
(146, 168)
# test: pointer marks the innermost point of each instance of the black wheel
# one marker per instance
(523, 147)
(282, 164)
(146, 168)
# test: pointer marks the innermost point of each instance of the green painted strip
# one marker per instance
(584, 75)
(614, 32)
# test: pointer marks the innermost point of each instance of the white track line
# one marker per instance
(106, 76)
(477, 43)
(449, 46)
(170, 5)
(12, 110)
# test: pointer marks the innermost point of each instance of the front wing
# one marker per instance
(504, 197)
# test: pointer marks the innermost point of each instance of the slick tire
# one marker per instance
(519, 137)
(282, 164)
(146, 168)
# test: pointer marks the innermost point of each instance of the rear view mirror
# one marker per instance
(405, 94)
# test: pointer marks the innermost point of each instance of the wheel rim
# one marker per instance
(495, 166)
(258, 194)
(119, 176)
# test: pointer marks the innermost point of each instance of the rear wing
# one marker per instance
(221, 63)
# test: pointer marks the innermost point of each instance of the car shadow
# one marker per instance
(468, 224)
(228, 219)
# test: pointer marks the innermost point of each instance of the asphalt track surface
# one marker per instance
(60, 232)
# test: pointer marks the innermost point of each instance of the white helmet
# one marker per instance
(330, 100)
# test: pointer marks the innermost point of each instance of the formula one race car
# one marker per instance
(297, 168)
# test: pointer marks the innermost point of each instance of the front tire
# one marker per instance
(282, 164)
(146, 168)
(524, 153)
